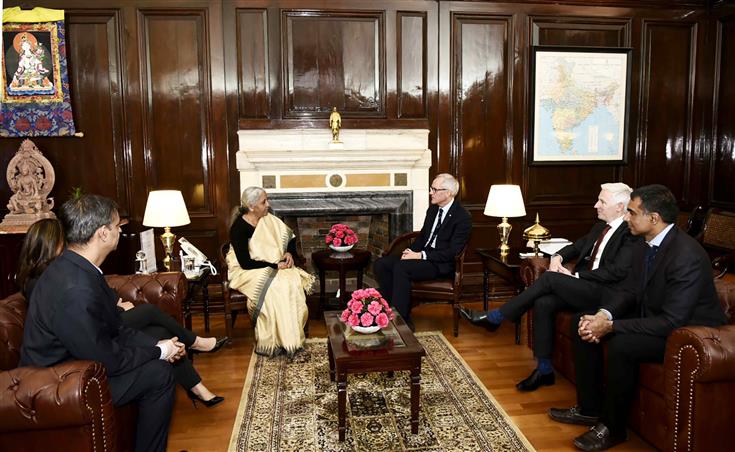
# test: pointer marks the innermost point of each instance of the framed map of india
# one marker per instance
(579, 105)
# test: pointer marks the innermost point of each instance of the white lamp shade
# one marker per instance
(505, 201)
(165, 208)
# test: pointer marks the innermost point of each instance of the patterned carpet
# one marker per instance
(292, 405)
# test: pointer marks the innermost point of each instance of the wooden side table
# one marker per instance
(200, 282)
(354, 260)
(343, 362)
(505, 267)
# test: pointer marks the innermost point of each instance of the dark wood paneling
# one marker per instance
(252, 58)
(333, 59)
(482, 103)
(666, 136)
(723, 159)
(177, 116)
(411, 61)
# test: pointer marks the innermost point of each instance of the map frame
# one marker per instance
(620, 55)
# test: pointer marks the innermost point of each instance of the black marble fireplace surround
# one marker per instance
(397, 204)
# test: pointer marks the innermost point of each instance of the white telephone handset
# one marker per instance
(200, 259)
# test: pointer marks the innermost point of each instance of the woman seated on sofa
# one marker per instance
(261, 265)
(45, 240)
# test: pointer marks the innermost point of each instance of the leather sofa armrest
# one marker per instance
(73, 393)
(699, 380)
(166, 290)
(702, 353)
(532, 268)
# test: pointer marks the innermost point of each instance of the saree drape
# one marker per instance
(276, 298)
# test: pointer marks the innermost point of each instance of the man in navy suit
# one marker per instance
(445, 232)
(603, 259)
(670, 285)
(73, 315)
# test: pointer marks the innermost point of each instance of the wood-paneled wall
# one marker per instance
(160, 88)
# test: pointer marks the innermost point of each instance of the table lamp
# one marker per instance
(166, 209)
(505, 201)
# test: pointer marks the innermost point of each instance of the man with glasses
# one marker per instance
(445, 232)
(72, 315)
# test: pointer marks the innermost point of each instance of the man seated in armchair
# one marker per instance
(669, 286)
(603, 259)
(72, 315)
(445, 232)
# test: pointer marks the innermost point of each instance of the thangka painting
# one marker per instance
(34, 85)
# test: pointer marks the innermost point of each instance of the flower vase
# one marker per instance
(366, 329)
(341, 249)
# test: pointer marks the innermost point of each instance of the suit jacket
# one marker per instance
(679, 290)
(72, 314)
(453, 234)
(616, 256)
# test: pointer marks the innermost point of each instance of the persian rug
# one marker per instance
(34, 83)
(292, 405)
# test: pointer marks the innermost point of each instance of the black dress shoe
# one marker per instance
(535, 380)
(479, 318)
(598, 438)
(217, 345)
(572, 415)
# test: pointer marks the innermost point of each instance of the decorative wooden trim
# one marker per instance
(247, 99)
(401, 42)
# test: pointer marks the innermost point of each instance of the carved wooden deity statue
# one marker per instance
(31, 178)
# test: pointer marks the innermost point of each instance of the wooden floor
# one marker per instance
(494, 358)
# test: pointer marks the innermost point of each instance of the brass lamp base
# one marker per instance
(168, 239)
(504, 229)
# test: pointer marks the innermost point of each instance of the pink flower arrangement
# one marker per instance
(367, 308)
(341, 235)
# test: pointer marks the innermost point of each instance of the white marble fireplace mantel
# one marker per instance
(369, 160)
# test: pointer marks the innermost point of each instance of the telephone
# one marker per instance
(200, 260)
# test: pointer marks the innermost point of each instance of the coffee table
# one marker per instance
(386, 359)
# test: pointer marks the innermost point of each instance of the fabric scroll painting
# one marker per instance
(34, 84)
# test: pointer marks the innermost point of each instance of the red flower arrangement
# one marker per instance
(367, 308)
(341, 235)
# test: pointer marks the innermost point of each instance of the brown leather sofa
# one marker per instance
(686, 404)
(68, 406)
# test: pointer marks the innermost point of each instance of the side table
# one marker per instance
(505, 267)
(200, 282)
(354, 260)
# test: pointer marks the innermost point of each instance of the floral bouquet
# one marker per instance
(341, 235)
(367, 311)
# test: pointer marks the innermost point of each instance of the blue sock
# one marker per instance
(544, 366)
(495, 316)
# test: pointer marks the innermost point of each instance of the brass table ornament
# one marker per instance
(335, 123)
(536, 233)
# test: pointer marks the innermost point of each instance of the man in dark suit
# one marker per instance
(72, 315)
(670, 285)
(603, 260)
(445, 232)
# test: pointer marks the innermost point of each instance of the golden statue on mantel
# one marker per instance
(335, 123)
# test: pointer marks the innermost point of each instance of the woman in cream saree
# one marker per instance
(274, 286)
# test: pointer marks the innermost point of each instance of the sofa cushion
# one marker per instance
(12, 317)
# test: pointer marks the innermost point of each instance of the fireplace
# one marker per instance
(376, 180)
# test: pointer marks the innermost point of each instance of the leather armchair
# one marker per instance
(686, 403)
(70, 404)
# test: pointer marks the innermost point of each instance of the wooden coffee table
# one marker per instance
(388, 359)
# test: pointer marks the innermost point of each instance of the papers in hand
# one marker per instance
(552, 246)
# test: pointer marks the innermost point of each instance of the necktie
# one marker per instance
(596, 248)
(436, 228)
(650, 257)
